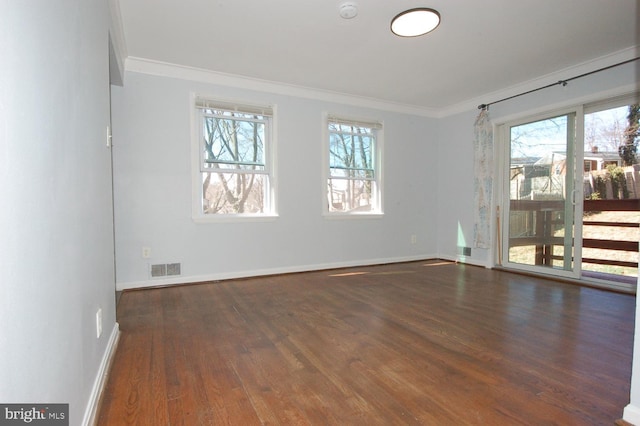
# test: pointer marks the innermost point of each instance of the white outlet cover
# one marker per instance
(99, 323)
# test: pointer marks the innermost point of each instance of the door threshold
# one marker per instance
(602, 281)
(623, 279)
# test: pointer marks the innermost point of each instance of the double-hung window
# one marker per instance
(353, 184)
(234, 154)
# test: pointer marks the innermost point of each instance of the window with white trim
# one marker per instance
(353, 183)
(234, 155)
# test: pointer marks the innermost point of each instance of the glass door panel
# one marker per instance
(540, 204)
(611, 181)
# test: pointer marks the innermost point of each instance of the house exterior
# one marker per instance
(599, 160)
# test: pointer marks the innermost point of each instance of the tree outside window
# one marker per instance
(353, 172)
(234, 167)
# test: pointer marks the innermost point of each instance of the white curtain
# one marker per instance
(483, 179)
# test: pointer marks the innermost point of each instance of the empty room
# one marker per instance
(329, 212)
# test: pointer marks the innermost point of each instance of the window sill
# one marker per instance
(350, 216)
(234, 218)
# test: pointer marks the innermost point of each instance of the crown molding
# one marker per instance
(165, 69)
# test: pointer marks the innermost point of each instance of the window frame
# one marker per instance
(197, 108)
(377, 126)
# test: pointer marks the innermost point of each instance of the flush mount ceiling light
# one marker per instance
(415, 22)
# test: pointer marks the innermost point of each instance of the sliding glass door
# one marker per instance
(541, 218)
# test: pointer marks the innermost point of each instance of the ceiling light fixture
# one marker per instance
(415, 22)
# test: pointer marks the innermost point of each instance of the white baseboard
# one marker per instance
(464, 259)
(188, 279)
(631, 414)
(91, 412)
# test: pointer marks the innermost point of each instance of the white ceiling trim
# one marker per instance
(164, 69)
(564, 74)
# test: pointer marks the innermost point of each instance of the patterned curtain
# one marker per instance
(482, 179)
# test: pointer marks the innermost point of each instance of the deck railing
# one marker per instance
(620, 245)
(541, 217)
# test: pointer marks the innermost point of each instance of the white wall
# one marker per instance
(56, 244)
(152, 161)
(455, 210)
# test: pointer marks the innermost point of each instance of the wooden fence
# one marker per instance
(600, 181)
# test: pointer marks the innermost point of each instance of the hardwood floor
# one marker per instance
(429, 343)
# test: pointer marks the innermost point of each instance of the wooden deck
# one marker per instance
(429, 343)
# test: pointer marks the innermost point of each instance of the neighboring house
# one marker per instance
(535, 177)
(599, 160)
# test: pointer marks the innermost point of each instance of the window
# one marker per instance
(353, 184)
(234, 143)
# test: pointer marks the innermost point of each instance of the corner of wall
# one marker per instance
(91, 412)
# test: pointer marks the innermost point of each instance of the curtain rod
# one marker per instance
(558, 83)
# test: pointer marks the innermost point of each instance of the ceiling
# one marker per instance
(480, 47)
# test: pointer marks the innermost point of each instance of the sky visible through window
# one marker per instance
(603, 130)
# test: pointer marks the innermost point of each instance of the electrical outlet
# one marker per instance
(146, 252)
(99, 323)
(414, 239)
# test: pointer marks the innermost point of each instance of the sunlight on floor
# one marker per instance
(347, 274)
(438, 263)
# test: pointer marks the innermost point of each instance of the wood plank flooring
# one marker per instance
(421, 343)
